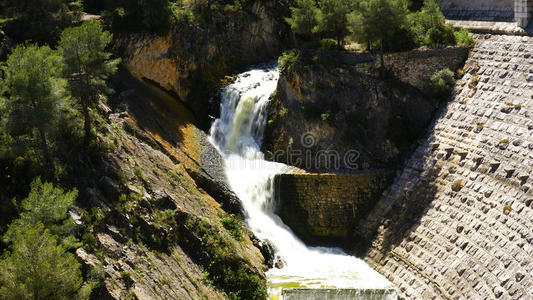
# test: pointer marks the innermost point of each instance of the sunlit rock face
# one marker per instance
(191, 60)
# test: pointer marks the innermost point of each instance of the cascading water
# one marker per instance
(238, 135)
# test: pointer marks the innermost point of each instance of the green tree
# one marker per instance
(156, 14)
(429, 27)
(34, 91)
(333, 21)
(39, 20)
(45, 204)
(88, 64)
(376, 21)
(38, 268)
(304, 17)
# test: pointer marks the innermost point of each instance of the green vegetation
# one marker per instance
(289, 60)
(47, 205)
(233, 225)
(463, 38)
(37, 265)
(504, 141)
(386, 25)
(442, 83)
(428, 26)
(34, 92)
(227, 271)
(304, 18)
(333, 20)
(39, 20)
(87, 65)
(375, 22)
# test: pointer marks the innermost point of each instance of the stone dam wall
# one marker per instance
(479, 10)
(322, 207)
(457, 222)
(519, 11)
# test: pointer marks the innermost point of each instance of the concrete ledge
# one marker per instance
(339, 294)
(510, 28)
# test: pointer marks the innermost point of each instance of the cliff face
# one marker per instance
(337, 114)
(157, 217)
(191, 60)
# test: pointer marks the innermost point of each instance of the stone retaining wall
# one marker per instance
(457, 223)
(416, 66)
(480, 10)
(320, 207)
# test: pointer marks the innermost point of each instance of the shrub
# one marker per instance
(289, 60)
(233, 225)
(442, 83)
(439, 36)
(463, 38)
(227, 271)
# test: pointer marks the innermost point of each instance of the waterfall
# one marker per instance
(238, 135)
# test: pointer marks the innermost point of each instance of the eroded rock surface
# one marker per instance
(156, 214)
(191, 60)
(336, 114)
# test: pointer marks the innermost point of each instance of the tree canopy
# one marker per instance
(45, 204)
(333, 18)
(88, 64)
(37, 265)
(38, 268)
(34, 90)
(376, 21)
(304, 17)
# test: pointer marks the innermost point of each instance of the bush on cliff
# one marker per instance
(463, 38)
(231, 273)
(289, 60)
(442, 83)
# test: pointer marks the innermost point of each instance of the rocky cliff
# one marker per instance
(191, 60)
(156, 219)
(338, 115)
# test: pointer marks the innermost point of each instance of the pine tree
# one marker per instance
(45, 204)
(304, 17)
(38, 268)
(333, 20)
(34, 90)
(376, 21)
(88, 64)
